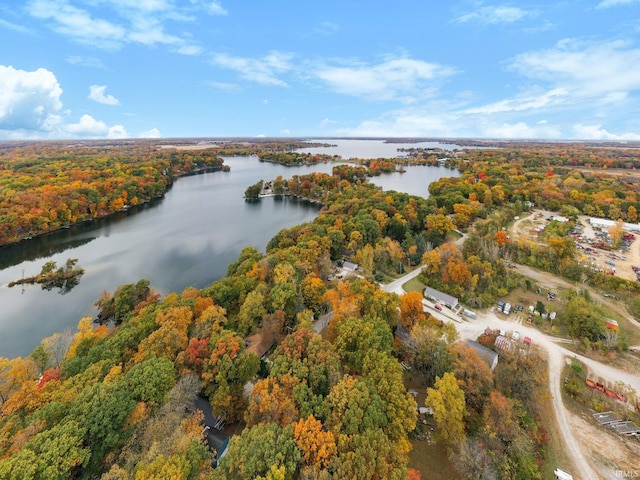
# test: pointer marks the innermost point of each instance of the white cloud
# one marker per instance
(326, 122)
(410, 122)
(215, 8)
(92, 128)
(30, 107)
(77, 23)
(14, 27)
(260, 70)
(28, 100)
(326, 28)
(528, 101)
(596, 132)
(142, 5)
(225, 87)
(613, 3)
(153, 133)
(520, 130)
(85, 61)
(129, 21)
(96, 93)
(585, 69)
(189, 50)
(401, 78)
(494, 14)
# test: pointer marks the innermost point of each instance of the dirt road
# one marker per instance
(556, 363)
(580, 437)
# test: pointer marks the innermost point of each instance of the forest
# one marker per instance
(47, 187)
(115, 399)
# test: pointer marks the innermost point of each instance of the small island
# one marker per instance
(51, 276)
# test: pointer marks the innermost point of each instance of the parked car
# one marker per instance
(507, 309)
(438, 307)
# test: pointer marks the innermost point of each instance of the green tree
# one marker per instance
(584, 319)
(251, 312)
(355, 407)
(54, 454)
(257, 450)
(356, 336)
(151, 380)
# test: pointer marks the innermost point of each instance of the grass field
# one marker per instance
(414, 285)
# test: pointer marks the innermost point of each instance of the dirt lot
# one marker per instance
(610, 452)
(526, 227)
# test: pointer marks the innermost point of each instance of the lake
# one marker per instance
(188, 238)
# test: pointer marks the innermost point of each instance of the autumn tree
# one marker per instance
(225, 373)
(355, 407)
(53, 454)
(411, 309)
(501, 237)
(474, 377)
(271, 400)
(437, 227)
(447, 401)
(430, 354)
(317, 445)
(615, 232)
(472, 461)
(385, 373)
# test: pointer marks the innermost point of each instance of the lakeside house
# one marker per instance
(217, 439)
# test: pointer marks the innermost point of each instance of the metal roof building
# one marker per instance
(441, 297)
(486, 354)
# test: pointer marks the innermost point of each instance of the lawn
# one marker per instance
(431, 461)
(414, 285)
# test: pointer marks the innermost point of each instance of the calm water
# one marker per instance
(354, 148)
(186, 239)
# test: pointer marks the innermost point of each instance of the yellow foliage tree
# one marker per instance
(318, 446)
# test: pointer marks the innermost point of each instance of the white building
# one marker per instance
(606, 223)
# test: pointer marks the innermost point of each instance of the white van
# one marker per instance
(507, 308)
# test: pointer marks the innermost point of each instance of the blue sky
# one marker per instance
(280, 68)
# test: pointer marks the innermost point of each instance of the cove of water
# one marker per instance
(188, 238)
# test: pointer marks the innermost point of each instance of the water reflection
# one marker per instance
(186, 239)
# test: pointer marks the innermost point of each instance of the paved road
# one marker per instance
(396, 285)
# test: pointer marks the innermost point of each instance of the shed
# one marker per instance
(487, 355)
(350, 266)
(441, 297)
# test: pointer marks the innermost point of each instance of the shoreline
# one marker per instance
(125, 209)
